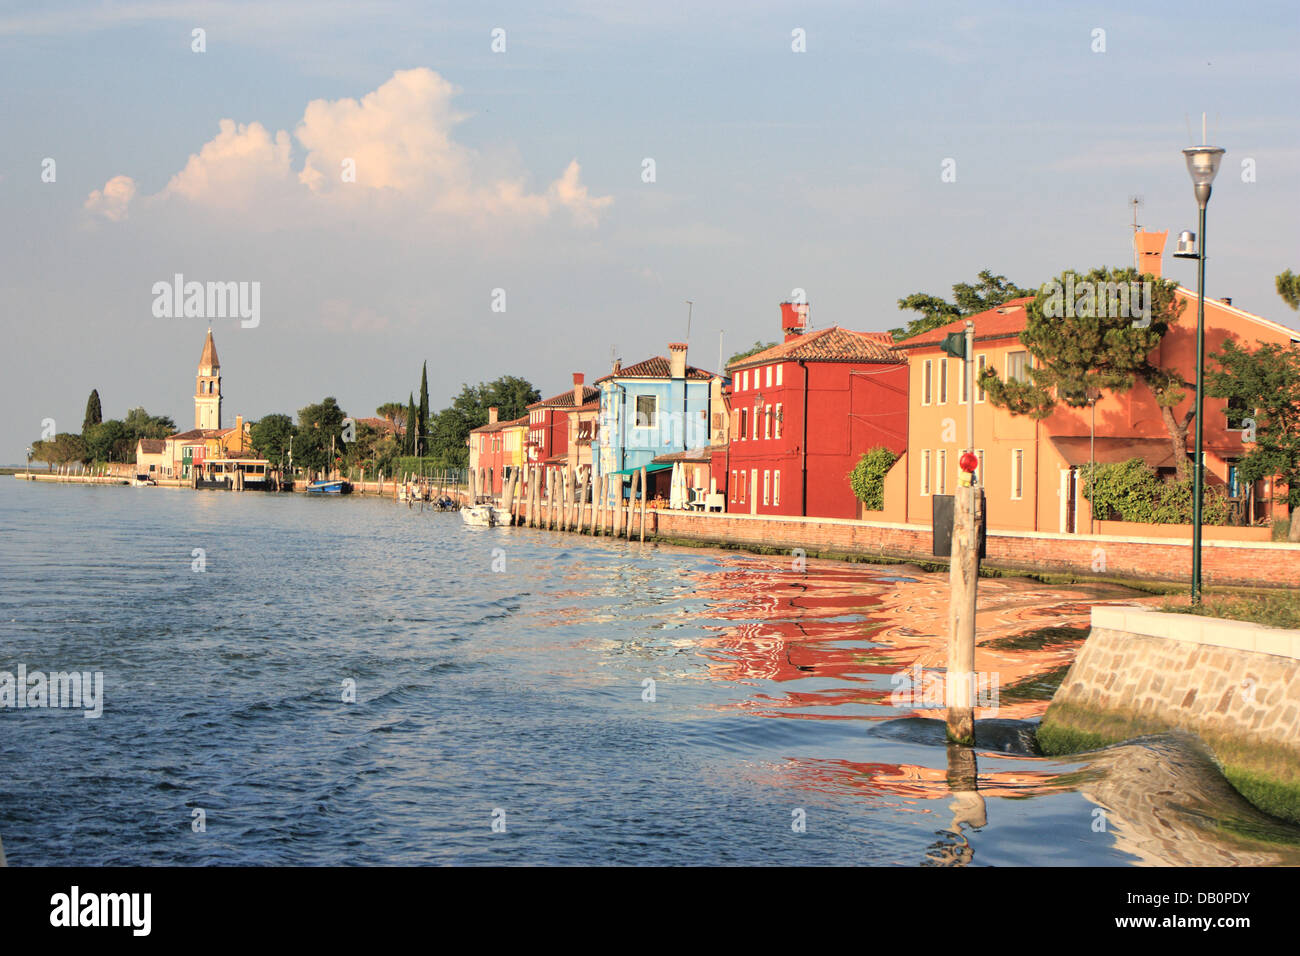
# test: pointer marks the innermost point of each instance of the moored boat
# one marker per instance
(328, 488)
(485, 516)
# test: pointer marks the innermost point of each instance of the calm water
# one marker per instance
(521, 691)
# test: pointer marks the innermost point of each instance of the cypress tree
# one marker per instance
(94, 414)
(410, 424)
(423, 421)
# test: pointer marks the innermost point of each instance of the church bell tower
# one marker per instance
(207, 393)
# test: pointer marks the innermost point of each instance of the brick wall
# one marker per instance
(1222, 562)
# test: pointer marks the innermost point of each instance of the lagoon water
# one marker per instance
(519, 694)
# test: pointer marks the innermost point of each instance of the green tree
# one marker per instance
(1095, 348)
(451, 427)
(140, 424)
(422, 413)
(62, 449)
(1266, 381)
(987, 292)
(394, 412)
(754, 349)
(1288, 287)
(408, 445)
(109, 441)
(320, 427)
(271, 436)
(94, 414)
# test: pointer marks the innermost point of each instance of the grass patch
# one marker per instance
(1038, 687)
(1280, 608)
(1039, 638)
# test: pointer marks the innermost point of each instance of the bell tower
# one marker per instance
(207, 392)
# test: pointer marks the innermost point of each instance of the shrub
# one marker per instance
(867, 479)
(1134, 492)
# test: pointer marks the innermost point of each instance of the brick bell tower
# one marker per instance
(207, 392)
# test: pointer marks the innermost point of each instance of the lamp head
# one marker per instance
(1203, 166)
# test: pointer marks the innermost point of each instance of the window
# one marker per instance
(646, 408)
(769, 377)
(925, 471)
(964, 395)
(980, 362)
(780, 414)
(767, 421)
(943, 381)
(1018, 366)
(733, 485)
(778, 374)
(979, 468)
(1017, 473)
(776, 484)
(744, 423)
(755, 434)
(744, 482)
(744, 377)
(767, 487)
(941, 470)
(927, 376)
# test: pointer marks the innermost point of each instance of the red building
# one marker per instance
(548, 424)
(803, 413)
(495, 451)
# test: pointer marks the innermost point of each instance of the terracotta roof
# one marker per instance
(828, 345)
(500, 426)
(655, 367)
(565, 399)
(152, 446)
(695, 454)
(196, 433)
(1003, 322)
(209, 357)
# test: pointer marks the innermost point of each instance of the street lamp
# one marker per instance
(29, 462)
(1202, 164)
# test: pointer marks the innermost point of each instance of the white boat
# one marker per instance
(485, 516)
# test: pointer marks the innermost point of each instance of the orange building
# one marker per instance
(1030, 469)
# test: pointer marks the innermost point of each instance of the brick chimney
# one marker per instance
(677, 359)
(794, 319)
(1150, 249)
(578, 379)
(492, 414)
(618, 366)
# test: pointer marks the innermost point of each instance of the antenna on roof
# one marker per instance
(720, 331)
(1135, 202)
(690, 307)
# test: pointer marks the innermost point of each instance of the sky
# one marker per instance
(469, 184)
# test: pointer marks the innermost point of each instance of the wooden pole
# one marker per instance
(963, 578)
(631, 504)
(598, 506)
(643, 498)
(582, 501)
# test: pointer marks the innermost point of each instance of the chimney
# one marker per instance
(1150, 250)
(618, 366)
(578, 379)
(794, 319)
(677, 359)
(492, 414)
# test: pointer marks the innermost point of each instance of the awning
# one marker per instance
(650, 469)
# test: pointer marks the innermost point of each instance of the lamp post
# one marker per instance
(29, 462)
(1203, 164)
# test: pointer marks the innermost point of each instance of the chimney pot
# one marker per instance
(1151, 248)
(578, 379)
(493, 411)
(677, 359)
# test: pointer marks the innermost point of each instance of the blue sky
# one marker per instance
(522, 171)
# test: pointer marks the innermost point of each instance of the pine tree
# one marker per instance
(1075, 354)
(94, 414)
(422, 426)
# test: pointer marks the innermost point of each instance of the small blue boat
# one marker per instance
(327, 487)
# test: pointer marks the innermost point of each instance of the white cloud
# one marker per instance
(112, 201)
(392, 151)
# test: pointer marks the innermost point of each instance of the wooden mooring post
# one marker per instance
(964, 569)
(643, 498)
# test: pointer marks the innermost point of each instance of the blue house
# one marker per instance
(652, 408)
